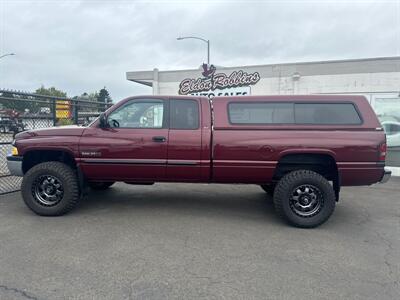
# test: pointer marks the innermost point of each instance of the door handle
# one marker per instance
(159, 139)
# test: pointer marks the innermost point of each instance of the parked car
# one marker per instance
(392, 129)
(9, 121)
(45, 110)
(300, 149)
(5, 124)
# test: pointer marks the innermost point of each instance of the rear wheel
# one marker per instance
(304, 198)
(50, 189)
(100, 185)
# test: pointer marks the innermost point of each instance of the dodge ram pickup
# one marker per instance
(300, 149)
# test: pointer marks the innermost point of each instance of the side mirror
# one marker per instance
(103, 121)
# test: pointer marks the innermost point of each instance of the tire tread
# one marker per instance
(70, 180)
(285, 184)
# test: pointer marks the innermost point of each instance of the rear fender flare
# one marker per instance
(306, 151)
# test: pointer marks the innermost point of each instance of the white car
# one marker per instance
(392, 129)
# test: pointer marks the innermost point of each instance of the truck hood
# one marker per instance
(71, 130)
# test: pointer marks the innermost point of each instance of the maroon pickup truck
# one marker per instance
(299, 149)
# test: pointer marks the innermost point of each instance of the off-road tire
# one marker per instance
(283, 195)
(68, 179)
(100, 185)
(268, 188)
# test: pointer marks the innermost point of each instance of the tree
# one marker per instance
(104, 96)
(15, 102)
(52, 91)
(22, 103)
(7, 104)
(92, 97)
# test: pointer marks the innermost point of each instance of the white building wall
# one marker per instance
(341, 83)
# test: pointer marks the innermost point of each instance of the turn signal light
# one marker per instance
(382, 151)
(14, 151)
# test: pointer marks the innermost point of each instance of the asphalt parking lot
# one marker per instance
(187, 241)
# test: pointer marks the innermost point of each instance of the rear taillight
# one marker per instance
(382, 151)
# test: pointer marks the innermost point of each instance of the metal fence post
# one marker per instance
(54, 112)
(76, 111)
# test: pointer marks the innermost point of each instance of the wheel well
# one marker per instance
(322, 164)
(35, 157)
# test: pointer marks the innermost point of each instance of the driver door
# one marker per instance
(133, 148)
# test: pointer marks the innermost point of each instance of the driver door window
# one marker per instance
(138, 114)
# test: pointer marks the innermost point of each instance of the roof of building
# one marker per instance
(329, 67)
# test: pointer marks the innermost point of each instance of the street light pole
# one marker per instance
(208, 52)
(201, 39)
(8, 54)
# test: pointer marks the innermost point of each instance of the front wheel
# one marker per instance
(304, 198)
(50, 189)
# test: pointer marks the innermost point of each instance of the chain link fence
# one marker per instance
(20, 111)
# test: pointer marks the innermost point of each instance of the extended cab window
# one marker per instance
(184, 114)
(326, 113)
(293, 113)
(261, 113)
(138, 114)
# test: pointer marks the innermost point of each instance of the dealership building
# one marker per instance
(376, 78)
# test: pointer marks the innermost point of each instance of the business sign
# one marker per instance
(217, 84)
(63, 109)
(235, 91)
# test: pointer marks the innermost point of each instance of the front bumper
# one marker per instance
(386, 176)
(14, 164)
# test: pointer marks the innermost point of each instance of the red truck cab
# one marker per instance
(300, 149)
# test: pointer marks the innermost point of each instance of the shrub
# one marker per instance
(65, 122)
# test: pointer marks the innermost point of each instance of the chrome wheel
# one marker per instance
(306, 200)
(47, 190)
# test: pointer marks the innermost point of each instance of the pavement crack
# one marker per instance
(17, 291)
(365, 218)
(389, 248)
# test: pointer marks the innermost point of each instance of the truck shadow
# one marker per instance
(229, 201)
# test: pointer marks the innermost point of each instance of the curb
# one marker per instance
(395, 170)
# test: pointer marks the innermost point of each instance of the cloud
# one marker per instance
(81, 46)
